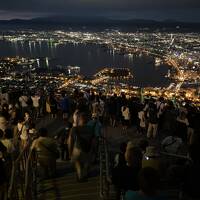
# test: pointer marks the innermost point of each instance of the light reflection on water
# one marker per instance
(90, 58)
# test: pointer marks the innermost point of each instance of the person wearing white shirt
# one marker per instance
(142, 118)
(24, 103)
(36, 105)
(126, 117)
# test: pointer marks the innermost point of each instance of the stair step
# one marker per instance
(93, 196)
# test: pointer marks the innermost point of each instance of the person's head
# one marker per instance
(63, 94)
(83, 118)
(161, 99)
(43, 132)
(26, 115)
(170, 105)
(133, 156)
(5, 107)
(149, 181)
(94, 116)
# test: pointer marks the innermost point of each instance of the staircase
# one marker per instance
(66, 186)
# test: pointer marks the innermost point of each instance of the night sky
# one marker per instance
(183, 10)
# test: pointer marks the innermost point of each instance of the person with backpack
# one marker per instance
(80, 145)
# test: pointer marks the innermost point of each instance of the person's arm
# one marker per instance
(33, 146)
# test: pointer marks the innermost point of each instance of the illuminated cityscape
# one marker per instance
(179, 51)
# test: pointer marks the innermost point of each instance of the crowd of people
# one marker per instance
(174, 126)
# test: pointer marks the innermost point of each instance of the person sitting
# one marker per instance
(47, 151)
(148, 184)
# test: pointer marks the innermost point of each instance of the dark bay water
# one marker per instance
(90, 58)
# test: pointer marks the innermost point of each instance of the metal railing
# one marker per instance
(23, 176)
(31, 176)
(17, 181)
(104, 168)
(177, 156)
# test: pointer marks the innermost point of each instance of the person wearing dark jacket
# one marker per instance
(126, 177)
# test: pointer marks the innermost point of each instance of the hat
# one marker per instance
(151, 151)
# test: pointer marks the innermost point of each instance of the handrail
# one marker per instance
(104, 167)
(31, 176)
(175, 155)
(17, 176)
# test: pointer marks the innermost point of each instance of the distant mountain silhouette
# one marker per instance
(55, 21)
